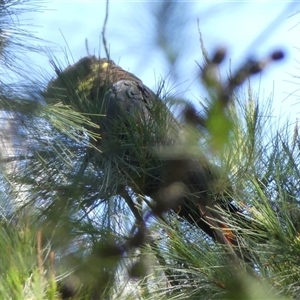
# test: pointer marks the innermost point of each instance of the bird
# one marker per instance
(135, 121)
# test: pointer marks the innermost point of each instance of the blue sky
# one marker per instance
(234, 24)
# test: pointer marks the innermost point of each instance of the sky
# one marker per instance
(236, 25)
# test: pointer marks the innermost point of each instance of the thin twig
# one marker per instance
(132, 206)
(104, 41)
(39, 253)
(87, 47)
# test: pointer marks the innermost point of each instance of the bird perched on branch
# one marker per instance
(135, 122)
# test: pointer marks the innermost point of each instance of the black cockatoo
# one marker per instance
(136, 117)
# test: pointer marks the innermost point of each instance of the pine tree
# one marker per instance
(80, 219)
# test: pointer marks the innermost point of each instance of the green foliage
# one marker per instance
(26, 269)
(93, 218)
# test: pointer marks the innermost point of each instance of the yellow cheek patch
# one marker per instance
(104, 65)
